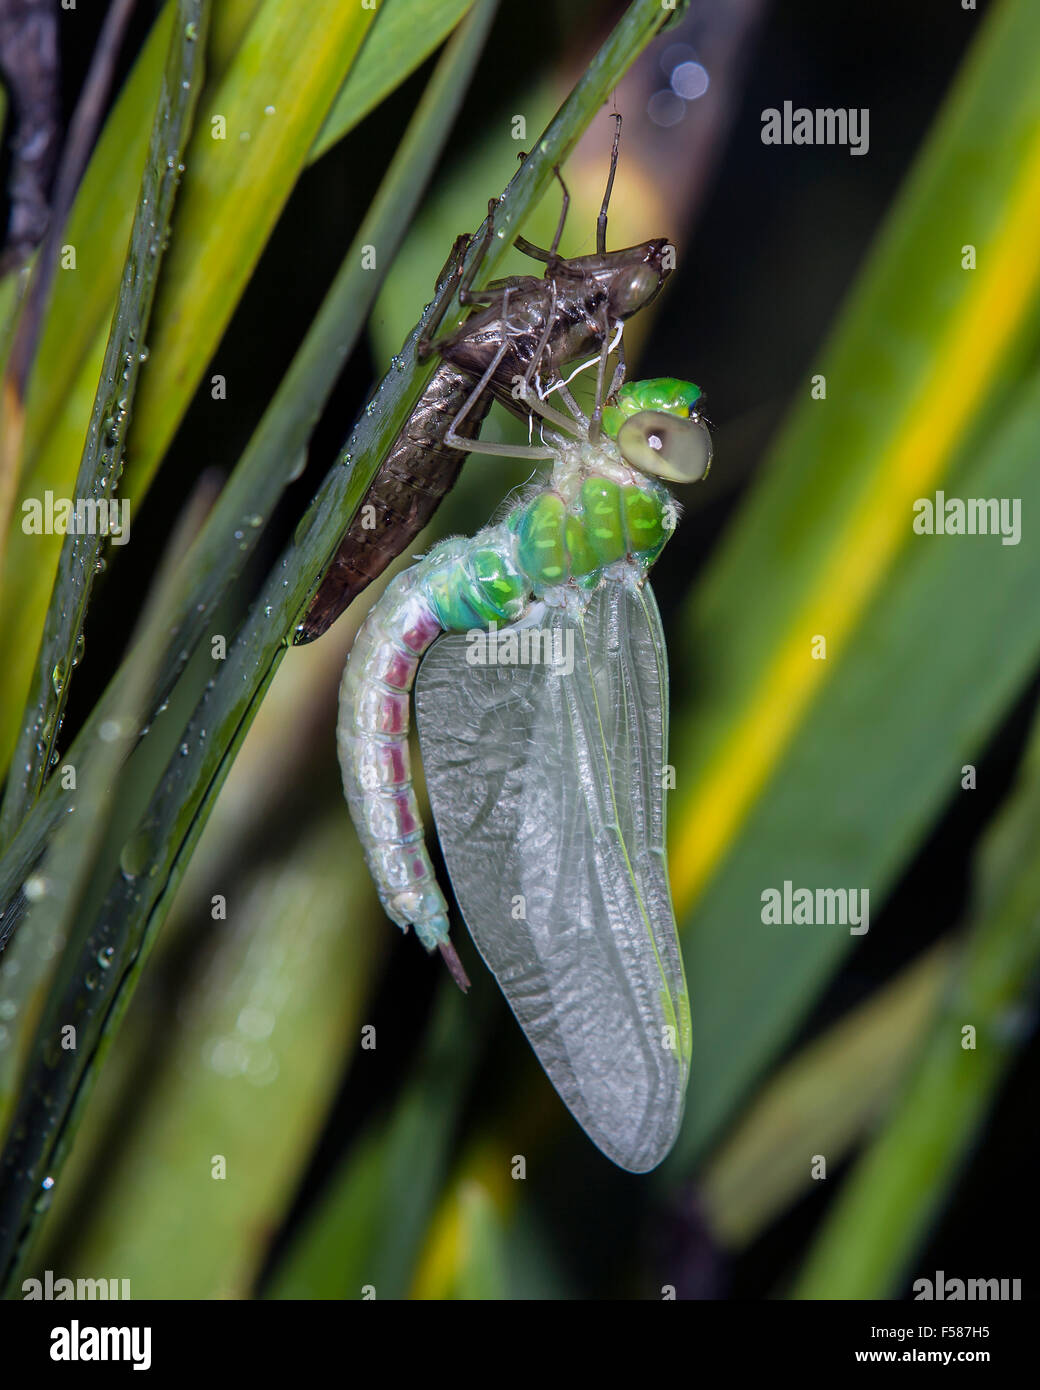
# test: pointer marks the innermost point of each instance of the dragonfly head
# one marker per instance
(659, 430)
(636, 275)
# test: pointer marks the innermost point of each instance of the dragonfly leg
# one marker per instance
(460, 281)
(537, 406)
(601, 220)
(499, 451)
(535, 252)
(601, 369)
(466, 292)
(455, 440)
(616, 345)
(618, 379)
(549, 257)
(564, 209)
(572, 405)
(449, 280)
(506, 451)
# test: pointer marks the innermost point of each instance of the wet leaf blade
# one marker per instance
(101, 462)
(407, 33)
(271, 101)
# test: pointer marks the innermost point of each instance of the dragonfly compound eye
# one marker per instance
(676, 450)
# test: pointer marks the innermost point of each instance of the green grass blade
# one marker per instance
(482, 1268)
(407, 33)
(56, 930)
(888, 1203)
(227, 28)
(233, 192)
(275, 1012)
(820, 1102)
(102, 460)
(366, 1231)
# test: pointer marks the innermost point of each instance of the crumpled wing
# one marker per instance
(547, 791)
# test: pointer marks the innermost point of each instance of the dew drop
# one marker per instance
(135, 855)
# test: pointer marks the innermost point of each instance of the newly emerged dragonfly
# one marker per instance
(528, 327)
(546, 777)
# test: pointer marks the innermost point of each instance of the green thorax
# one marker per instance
(605, 504)
(590, 520)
